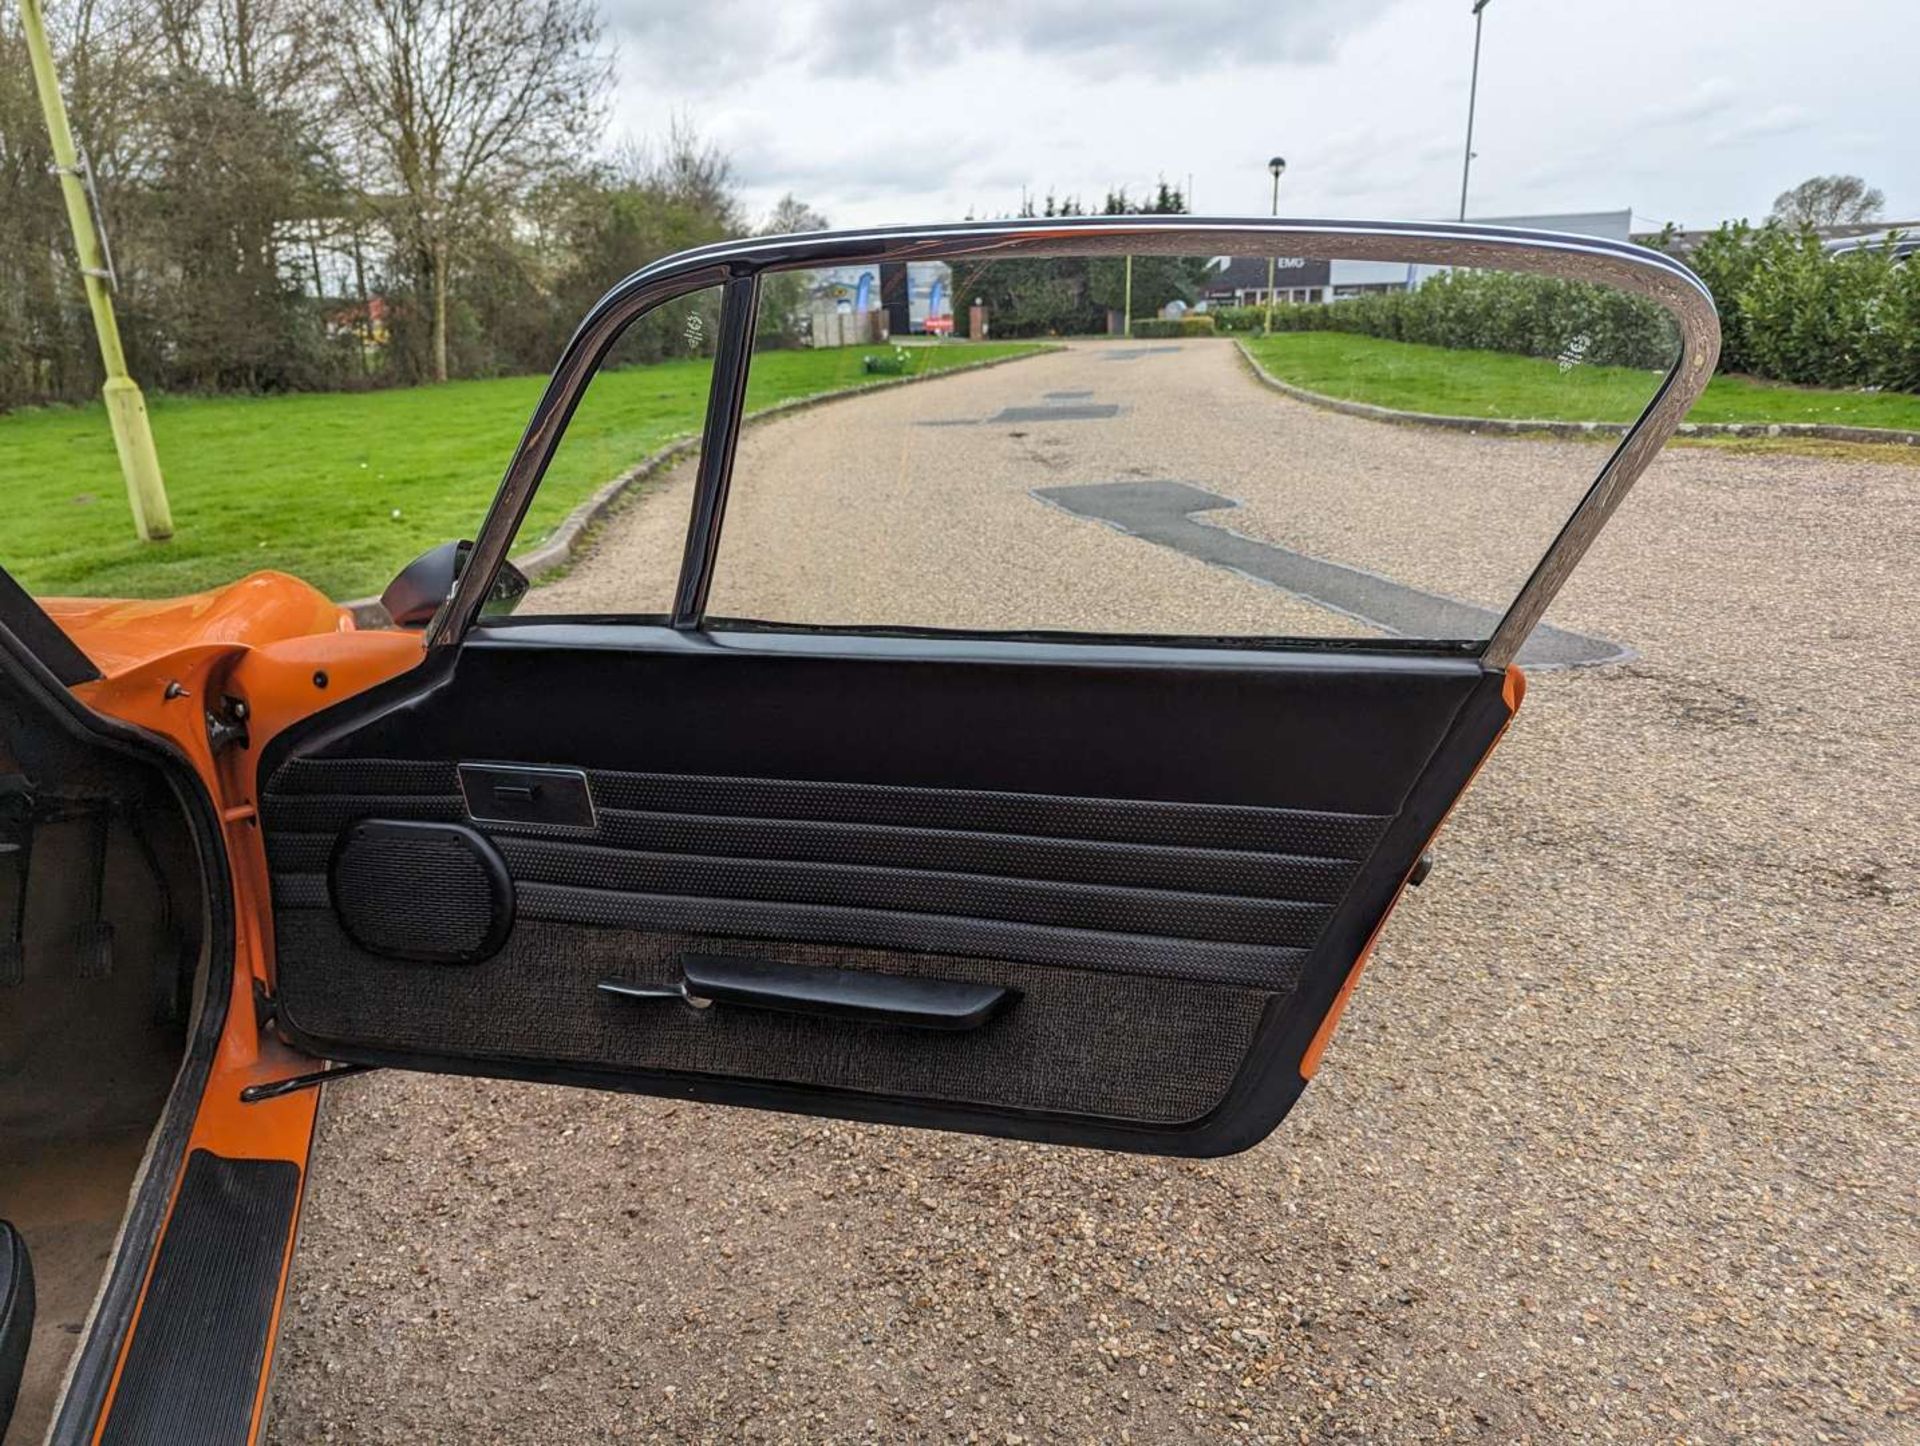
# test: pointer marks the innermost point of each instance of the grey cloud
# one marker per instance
(1758, 125)
(700, 48)
(726, 40)
(872, 164)
(876, 109)
(1135, 35)
(1712, 97)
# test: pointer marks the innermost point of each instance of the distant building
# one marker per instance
(1363, 278)
(1242, 281)
(1609, 225)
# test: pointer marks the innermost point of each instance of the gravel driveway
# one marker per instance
(1617, 1142)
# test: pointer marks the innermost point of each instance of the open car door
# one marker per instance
(1045, 865)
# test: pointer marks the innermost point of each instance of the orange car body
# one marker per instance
(285, 650)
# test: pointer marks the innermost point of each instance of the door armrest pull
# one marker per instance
(752, 983)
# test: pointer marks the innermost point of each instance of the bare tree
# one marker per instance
(693, 173)
(792, 215)
(456, 104)
(266, 49)
(1828, 201)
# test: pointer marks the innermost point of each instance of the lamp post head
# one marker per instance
(1276, 166)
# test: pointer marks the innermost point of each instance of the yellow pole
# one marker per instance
(126, 408)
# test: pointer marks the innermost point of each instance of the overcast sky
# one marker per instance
(882, 111)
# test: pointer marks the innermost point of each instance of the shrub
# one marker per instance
(1201, 325)
(1790, 311)
(1726, 261)
(1239, 319)
(1890, 348)
(1819, 319)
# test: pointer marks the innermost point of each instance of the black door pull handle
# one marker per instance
(851, 994)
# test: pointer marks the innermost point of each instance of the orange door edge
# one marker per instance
(1513, 691)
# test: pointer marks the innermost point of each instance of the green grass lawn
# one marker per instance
(1453, 383)
(343, 489)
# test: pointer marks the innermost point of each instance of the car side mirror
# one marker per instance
(413, 597)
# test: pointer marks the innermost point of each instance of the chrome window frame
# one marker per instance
(737, 265)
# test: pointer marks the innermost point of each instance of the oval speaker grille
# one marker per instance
(436, 892)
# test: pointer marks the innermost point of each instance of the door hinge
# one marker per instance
(227, 723)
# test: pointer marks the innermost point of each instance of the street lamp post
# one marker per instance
(1473, 93)
(1275, 167)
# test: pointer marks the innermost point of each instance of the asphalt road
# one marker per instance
(1618, 1140)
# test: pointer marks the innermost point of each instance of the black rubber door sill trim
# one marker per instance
(200, 1343)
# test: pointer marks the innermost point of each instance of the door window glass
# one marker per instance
(632, 445)
(1041, 469)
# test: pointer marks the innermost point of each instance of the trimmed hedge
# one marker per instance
(1497, 311)
(1788, 311)
(1243, 320)
(1201, 325)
